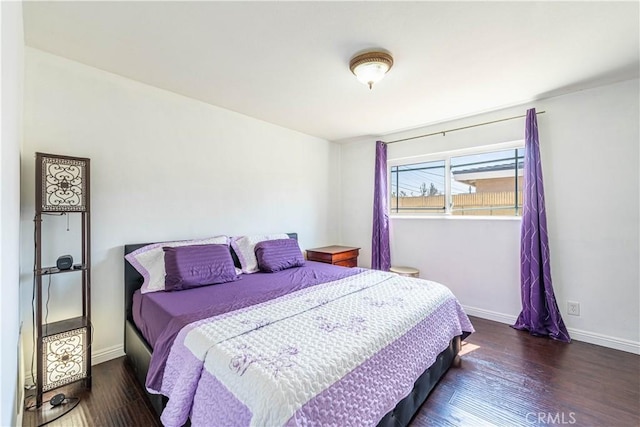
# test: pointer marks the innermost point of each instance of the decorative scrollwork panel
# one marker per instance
(63, 185)
(64, 358)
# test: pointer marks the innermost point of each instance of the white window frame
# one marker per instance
(446, 156)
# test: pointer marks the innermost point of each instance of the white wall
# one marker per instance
(11, 88)
(163, 167)
(589, 148)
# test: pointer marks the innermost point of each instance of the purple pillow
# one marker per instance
(276, 255)
(197, 265)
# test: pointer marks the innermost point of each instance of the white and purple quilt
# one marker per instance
(338, 353)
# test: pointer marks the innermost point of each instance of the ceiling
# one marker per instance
(287, 63)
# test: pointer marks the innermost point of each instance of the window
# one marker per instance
(481, 182)
(418, 187)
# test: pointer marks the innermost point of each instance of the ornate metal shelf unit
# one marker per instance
(63, 348)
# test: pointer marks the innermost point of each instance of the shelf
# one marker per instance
(54, 270)
(49, 329)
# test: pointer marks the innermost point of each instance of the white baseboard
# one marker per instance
(576, 334)
(490, 315)
(605, 340)
(97, 357)
(107, 354)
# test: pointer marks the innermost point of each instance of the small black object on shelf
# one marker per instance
(64, 262)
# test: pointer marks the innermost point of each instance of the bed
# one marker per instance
(235, 355)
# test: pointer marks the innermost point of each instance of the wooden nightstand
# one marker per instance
(345, 256)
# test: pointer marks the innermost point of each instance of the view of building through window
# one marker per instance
(487, 184)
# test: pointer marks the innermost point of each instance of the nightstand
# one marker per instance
(345, 256)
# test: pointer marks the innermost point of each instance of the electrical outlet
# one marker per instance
(573, 308)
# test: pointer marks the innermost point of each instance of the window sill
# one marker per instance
(458, 217)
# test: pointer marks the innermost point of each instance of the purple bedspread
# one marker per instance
(161, 315)
(238, 349)
(341, 353)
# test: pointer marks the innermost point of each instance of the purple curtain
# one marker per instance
(540, 314)
(380, 253)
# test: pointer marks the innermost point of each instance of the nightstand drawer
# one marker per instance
(351, 262)
(345, 256)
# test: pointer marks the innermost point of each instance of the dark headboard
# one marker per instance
(133, 280)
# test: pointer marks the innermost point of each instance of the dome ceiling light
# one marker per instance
(370, 67)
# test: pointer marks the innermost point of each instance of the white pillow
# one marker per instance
(149, 260)
(245, 247)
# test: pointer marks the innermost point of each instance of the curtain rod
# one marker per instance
(443, 132)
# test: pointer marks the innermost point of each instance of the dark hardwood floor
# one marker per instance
(507, 377)
(503, 377)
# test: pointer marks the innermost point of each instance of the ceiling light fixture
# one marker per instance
(370, 67)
